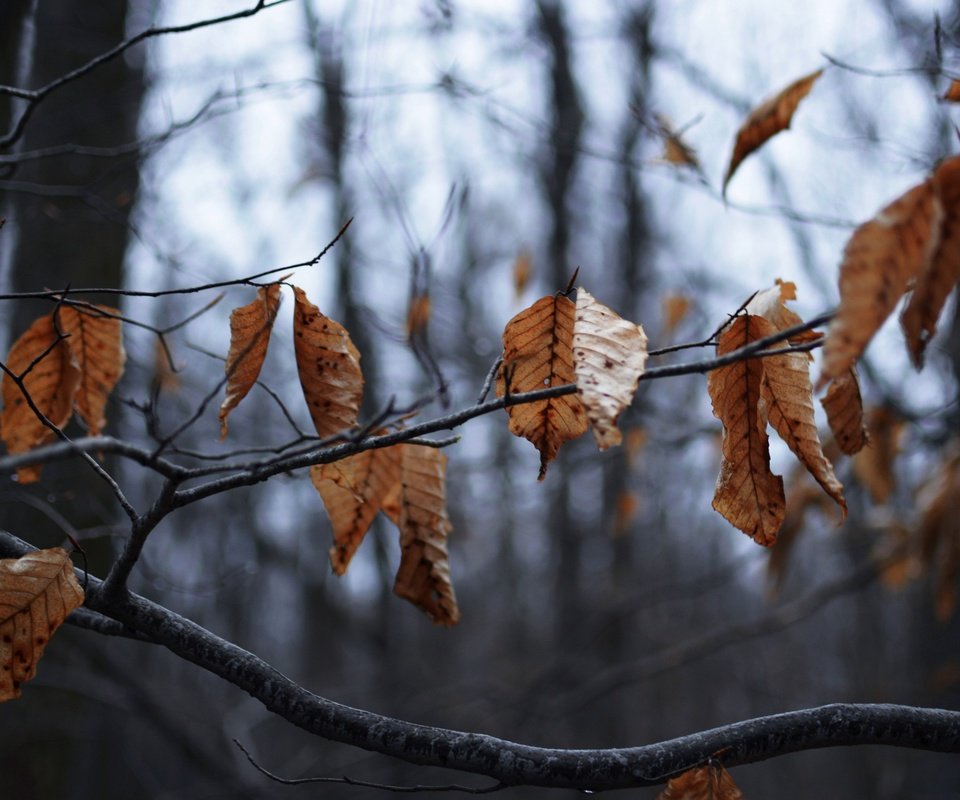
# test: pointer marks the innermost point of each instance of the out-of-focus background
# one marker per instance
(607, 606)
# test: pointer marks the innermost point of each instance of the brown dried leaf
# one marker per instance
(941, 271)
(873, 465)
(675, 307)
(51, 383)
(771, 305)
(879, 261)
(329, 368)
(675, 150)
(844, 407)
(522, 270)
(538, 353)
(353, 491)
(37, 592)
(609, 355)
(952, 95)
(418, 314)
(424, 574)
(711, 782)
(939, 533)
(748, 494)
(766, 120)
(627, 506)
(96, 343)
(250, 328)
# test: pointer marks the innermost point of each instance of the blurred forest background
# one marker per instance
(609, 606)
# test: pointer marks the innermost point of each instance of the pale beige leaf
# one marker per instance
(537, 354)
(353, 490)
(710, 782)
(96, 344)
(766, 120)
(329, 368)
(788, 395)
(37, 592)
(51, 382)
(609, 354)
(941, 271)
(250, 328)
(844, 407)
(424, 574)
(747, 494)
(879, 261)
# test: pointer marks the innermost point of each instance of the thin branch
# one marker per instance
(36, 96)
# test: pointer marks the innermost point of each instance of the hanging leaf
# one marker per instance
(37, 592)
(747, 494)
(538, 353)
(711, 782)
(941, 270)
(51, 382)
(939, 533)
(879, 261)
(675, 308)
(424, 574)
(675, 150)
(952, 95)
(250, 328)
(353, 492)
(768, 119)
(873, 465)
(627, 506)
(787, 392)
(609, 355)
(522, 270)
(844, 408)
(329, 368)
(96, 344)
(418, 314)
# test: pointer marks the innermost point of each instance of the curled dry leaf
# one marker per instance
(609, 354)
(353, 490)
(418, 314)
(771, 305)
(250, 328)
(844, 407)
(675, 150)
(96, 343)
(424, 574)
(329, 368)
(881, 258)
(940, 271)
(538, 353)
(37, 592)
(710, 782)
(50, 375)
(747, 494)
(952, 95)
(766, 120)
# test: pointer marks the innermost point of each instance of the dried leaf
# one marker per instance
(353, 491)
(329, 368)
(675, 308)
(941, 271)
(250, 328)
(51, 382)
(771, 305)
(748, 494)
(766, 120)
(418, 314)
(952, 95)
(424, 574)
(609, 355)
(939, 532)
(636, 439)
(844, 407)
(627, 506)
(873, 465)
(711, 782)
(879, 261)
(37, 592)
(96, 344)
(522, 270)
(538, 353)
(675, 150)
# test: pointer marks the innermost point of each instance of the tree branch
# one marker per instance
(838, 724)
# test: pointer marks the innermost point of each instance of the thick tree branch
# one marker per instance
(839, 724)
